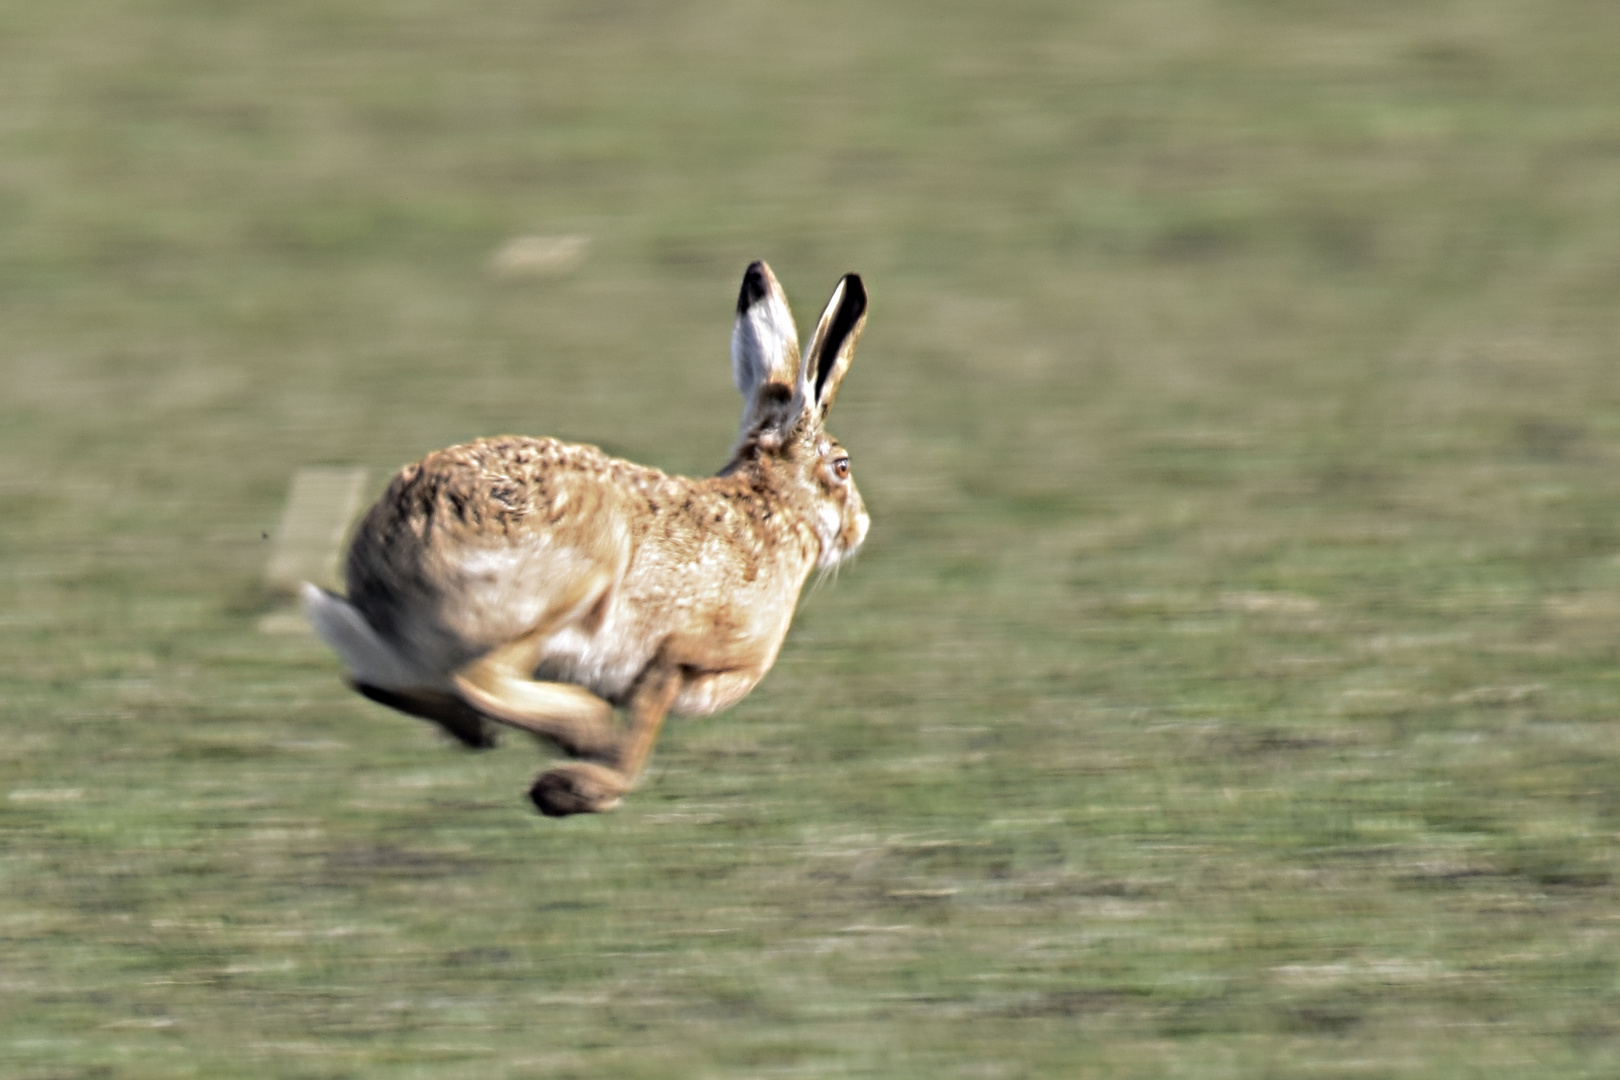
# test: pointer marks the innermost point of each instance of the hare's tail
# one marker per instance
(371, 660)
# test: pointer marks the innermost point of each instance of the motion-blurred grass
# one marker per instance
(1228, 687)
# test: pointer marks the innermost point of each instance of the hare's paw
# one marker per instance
(577, 788)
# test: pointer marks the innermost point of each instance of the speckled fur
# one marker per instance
(610, 570)
(480, 544)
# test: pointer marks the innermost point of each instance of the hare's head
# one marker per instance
(786, 399)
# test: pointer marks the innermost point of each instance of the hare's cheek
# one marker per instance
(830, 523)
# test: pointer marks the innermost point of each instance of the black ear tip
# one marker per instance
(855, 290)
(754, 286)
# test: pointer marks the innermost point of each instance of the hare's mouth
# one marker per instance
(841, 536)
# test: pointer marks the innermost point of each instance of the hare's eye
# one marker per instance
(841, 468)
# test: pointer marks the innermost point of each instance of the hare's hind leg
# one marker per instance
(452, 714)
(583, 787)
(499, 686)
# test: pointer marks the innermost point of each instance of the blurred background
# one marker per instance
(1228, 685)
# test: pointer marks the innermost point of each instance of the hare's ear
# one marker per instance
(764, 341)
(833, 344)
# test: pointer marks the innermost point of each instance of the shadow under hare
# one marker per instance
(541, 584)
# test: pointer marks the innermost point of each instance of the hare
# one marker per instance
(540, 584)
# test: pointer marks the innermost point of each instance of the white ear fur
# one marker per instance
(832, 346)
(764, 341)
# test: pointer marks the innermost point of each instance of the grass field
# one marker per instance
(1228, 688)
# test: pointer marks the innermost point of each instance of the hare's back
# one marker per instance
(480, 543)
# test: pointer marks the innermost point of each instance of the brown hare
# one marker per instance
(540, 584)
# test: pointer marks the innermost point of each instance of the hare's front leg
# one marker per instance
(583, 787)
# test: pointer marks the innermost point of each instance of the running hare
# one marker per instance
(540, 584)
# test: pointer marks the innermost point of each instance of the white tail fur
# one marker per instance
(370, 659)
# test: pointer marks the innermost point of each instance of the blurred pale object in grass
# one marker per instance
(1281, 603)
(46, 795)
(526, 257)
(322, 503)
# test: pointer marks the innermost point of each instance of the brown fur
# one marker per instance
(536, 583)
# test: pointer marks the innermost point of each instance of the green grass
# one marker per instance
(1228, 688)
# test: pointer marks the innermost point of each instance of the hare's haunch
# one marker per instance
(540, 584)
